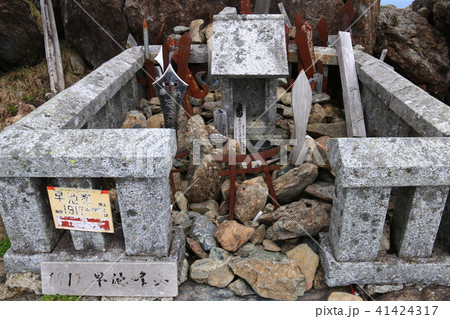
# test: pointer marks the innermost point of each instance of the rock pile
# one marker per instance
(267, 252)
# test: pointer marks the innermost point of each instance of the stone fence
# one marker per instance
(410, 158)
(74, 140)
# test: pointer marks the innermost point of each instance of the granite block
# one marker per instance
(386, 269)
(20, 262)
(357, 221)
(87, 153)
(425, 114)
(380, 120)
(26, 214)
(390, 162)
(249, 46)
(416, 219)
(145, 212)
(86, 97)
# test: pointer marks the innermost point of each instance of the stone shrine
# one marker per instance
(249, 55)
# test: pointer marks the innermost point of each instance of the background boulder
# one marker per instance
(21, 39)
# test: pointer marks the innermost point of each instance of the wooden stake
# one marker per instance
(354, 115)
(301, 106)
(52, 50)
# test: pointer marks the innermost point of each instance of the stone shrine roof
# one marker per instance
(249, 45)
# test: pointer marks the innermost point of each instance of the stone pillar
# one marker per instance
(357, 221)
(26, 214)
(146, 212)
(444, 228)
(85, 240)
(416, 219)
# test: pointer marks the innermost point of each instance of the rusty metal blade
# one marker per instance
(322, 26)
(246, 7)
(347, 14)
(298, 20)
(184, 52)
(303, 39)
(194, 89)
(161, 31)
(149, 78)
(166, 51)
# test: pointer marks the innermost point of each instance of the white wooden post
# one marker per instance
(52, 50)
(354, 115)
(301, 106)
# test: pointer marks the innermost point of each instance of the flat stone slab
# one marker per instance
(64, 252)
(249, 46)
(139, 279)
(142, 153)
(76, 105)
(390, 162)
(425, 114)
(386, 269)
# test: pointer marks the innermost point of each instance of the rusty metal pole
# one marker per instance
(246, 7)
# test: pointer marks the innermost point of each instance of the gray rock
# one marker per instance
(228, 10)
(147, 111)
(241, 288)
(245, 250)
(336, 129)
(180, 29)
(192, 291)
(212, 271)
(259, 235)
(382, 289)
(202, 231)
(305, 217)
(321, 97)
(321, 190)
(77, 64)
(181, 201)
(251, 197)
(6, 293)
(184, 272)
(279, 280)
(28, 281)
(290, 185)
(209, 205)
(222, 218)
(181, 218)
(219, 253)
(193, 215)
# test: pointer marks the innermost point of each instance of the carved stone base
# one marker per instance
(386, 269)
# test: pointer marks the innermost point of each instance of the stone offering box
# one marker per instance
(73, 140)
